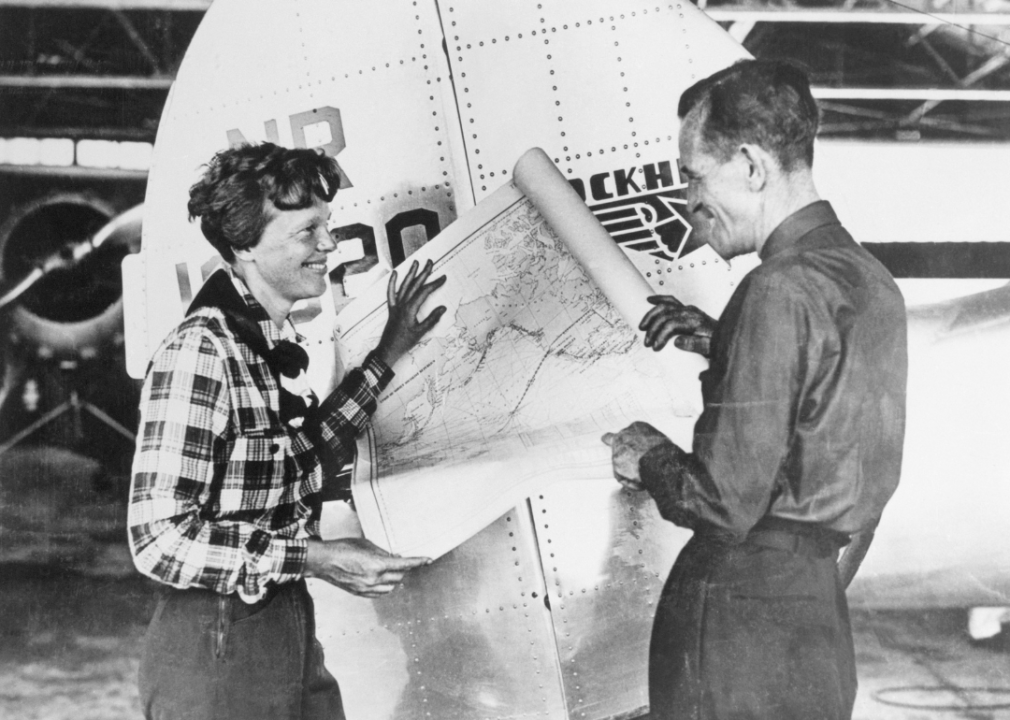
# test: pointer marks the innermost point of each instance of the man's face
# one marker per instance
(290, 258)
(723, 208)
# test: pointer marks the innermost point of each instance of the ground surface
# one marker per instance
(922, 665)
(69, 644)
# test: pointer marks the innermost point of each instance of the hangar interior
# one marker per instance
(82, 87)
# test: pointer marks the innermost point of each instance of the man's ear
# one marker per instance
(759, 166)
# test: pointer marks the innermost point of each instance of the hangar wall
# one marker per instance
(888, 192)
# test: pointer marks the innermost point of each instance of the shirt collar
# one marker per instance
(271, 332)
(791, 230)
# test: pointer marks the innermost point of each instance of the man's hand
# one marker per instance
(403, 330)
(358, 566)
(629, 445)
(690, 328)
(852, 557)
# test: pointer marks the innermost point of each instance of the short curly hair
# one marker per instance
(767, 103)
(231, 197)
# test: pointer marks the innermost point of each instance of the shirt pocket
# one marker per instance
(256, 468)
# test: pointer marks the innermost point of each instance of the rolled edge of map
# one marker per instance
(604, 262)
(583, 234)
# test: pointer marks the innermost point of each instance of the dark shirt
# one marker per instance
(804, 397)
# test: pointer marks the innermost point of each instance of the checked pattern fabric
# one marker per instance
(225, 491)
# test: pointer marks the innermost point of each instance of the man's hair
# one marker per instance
(762, 102)
(231, 197)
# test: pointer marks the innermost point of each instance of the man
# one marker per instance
(799, 443)
(235, 449)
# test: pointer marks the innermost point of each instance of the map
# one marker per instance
(526, 370)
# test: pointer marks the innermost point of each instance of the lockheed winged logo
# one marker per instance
(650, 223)
(653, 221)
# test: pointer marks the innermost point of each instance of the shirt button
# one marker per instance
(274, 447)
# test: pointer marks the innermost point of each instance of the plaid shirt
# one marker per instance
(222, 492)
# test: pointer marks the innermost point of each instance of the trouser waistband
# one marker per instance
(806, 539)
(241, 609)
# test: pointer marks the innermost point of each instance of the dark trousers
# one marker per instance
(752, 631)
(213, 657)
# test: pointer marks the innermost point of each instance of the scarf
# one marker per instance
(286, 360)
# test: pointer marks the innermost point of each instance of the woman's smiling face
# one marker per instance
(289, 261)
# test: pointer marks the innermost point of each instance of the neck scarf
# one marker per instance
(287, 361)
